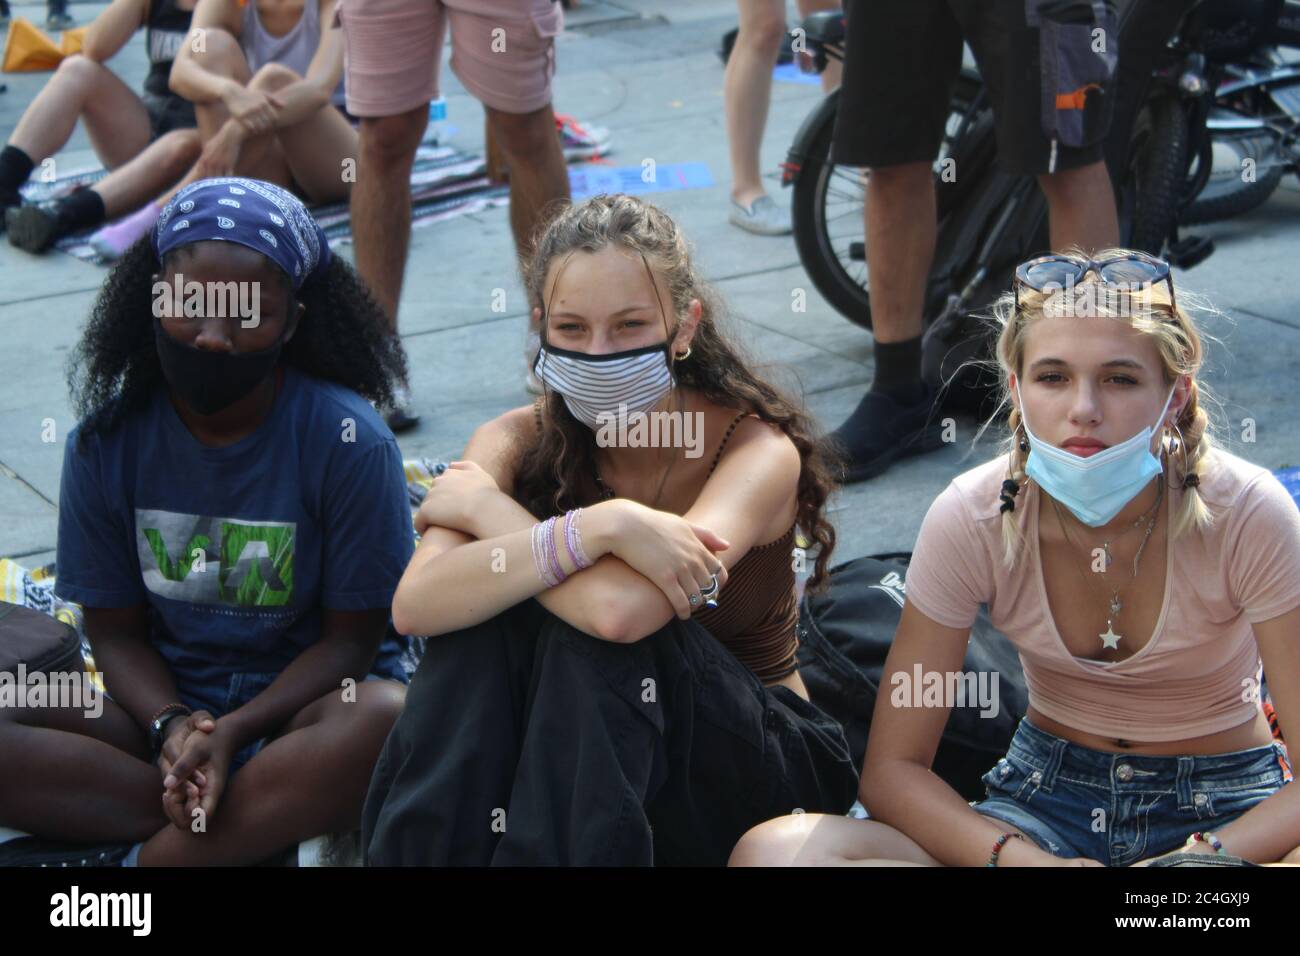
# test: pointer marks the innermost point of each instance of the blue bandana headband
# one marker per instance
(253, 213)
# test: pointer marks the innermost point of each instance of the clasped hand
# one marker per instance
(195, 764)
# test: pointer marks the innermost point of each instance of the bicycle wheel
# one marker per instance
(1229, 191)
(828, 208)
(1157, 171)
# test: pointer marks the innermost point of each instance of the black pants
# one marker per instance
(525, 741)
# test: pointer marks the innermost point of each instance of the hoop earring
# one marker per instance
(685, 355)
(1023, 444)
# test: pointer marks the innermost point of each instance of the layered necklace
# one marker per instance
(1110, 639)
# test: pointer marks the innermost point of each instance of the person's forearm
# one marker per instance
(135, 674)
(318, 670)
(1265, 833)
(299, 101)
(574, 600)
(475, 581)
(196, 84)
(912, 799)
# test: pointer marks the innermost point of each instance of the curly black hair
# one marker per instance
(342, 338)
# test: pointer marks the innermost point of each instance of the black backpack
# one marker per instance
(845, 633)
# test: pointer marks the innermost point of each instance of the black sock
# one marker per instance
(898, 369)
(15, 167)
(81, 210)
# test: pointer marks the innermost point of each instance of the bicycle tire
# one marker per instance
(1231, 197)
(847, 294)
(843, 291)
(1160, 170)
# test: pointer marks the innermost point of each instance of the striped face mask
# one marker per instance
(595, 386)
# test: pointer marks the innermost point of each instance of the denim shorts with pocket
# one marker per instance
(1119, 808)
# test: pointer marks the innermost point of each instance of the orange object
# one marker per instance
(1077, 99)
(28, 50)
(71, 41)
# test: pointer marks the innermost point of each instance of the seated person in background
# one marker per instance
(602, 723)
(1143, 574)
(233, 517)
(266, 81)
(148, 141)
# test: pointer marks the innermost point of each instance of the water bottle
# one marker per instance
(437, 120)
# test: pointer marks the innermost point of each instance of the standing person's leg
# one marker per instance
(1082, 207)
(1072, 174)
(746, 95)
(891, 119)
(539, 176)
(394, 50)
(504, 54)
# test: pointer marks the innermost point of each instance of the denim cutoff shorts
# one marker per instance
(1119, 808)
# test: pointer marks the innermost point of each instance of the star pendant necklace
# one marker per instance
(1110, 640)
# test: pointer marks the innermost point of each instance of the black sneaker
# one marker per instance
(35, 227)
(9, 199)
(883, 429)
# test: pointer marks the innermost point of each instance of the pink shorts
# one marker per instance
(503, 51)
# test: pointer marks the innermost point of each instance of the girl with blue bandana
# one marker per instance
(234, 519)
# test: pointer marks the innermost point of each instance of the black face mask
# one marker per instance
(210, 381)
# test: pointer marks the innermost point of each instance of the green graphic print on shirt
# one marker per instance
(207, 560)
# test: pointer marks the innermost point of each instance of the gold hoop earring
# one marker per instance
(684, 355)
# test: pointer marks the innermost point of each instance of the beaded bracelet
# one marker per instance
(997, 847)
(577, 540)
(552, 553)
(573, 540)
(1205, 837)
(539, 556)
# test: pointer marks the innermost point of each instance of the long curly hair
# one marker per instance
(556, 473)
(115, 368)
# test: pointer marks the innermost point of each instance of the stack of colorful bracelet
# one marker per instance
(546, 556)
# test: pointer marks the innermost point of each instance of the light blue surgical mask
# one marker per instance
(1096, 488)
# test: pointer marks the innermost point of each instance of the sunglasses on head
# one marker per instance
(1130, 272)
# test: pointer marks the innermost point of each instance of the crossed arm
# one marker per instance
(287, 106)
(452, 582)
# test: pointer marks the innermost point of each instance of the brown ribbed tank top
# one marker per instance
(757, 612)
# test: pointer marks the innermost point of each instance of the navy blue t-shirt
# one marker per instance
(238, 549)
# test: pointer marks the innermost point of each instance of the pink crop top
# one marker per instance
(1193, 676)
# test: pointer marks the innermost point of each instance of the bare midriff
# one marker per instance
(1252, 733)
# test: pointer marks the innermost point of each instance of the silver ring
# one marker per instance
(711, 589)
(710, 603)
(694, 599)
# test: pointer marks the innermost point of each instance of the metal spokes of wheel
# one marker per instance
(828, 212)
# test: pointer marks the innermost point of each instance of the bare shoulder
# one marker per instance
(499, 443)
(756, 439)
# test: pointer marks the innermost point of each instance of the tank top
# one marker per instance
(757, 613)
(165, 31)
(295, 49)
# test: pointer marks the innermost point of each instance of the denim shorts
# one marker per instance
(1119, 808)
(231, 692)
